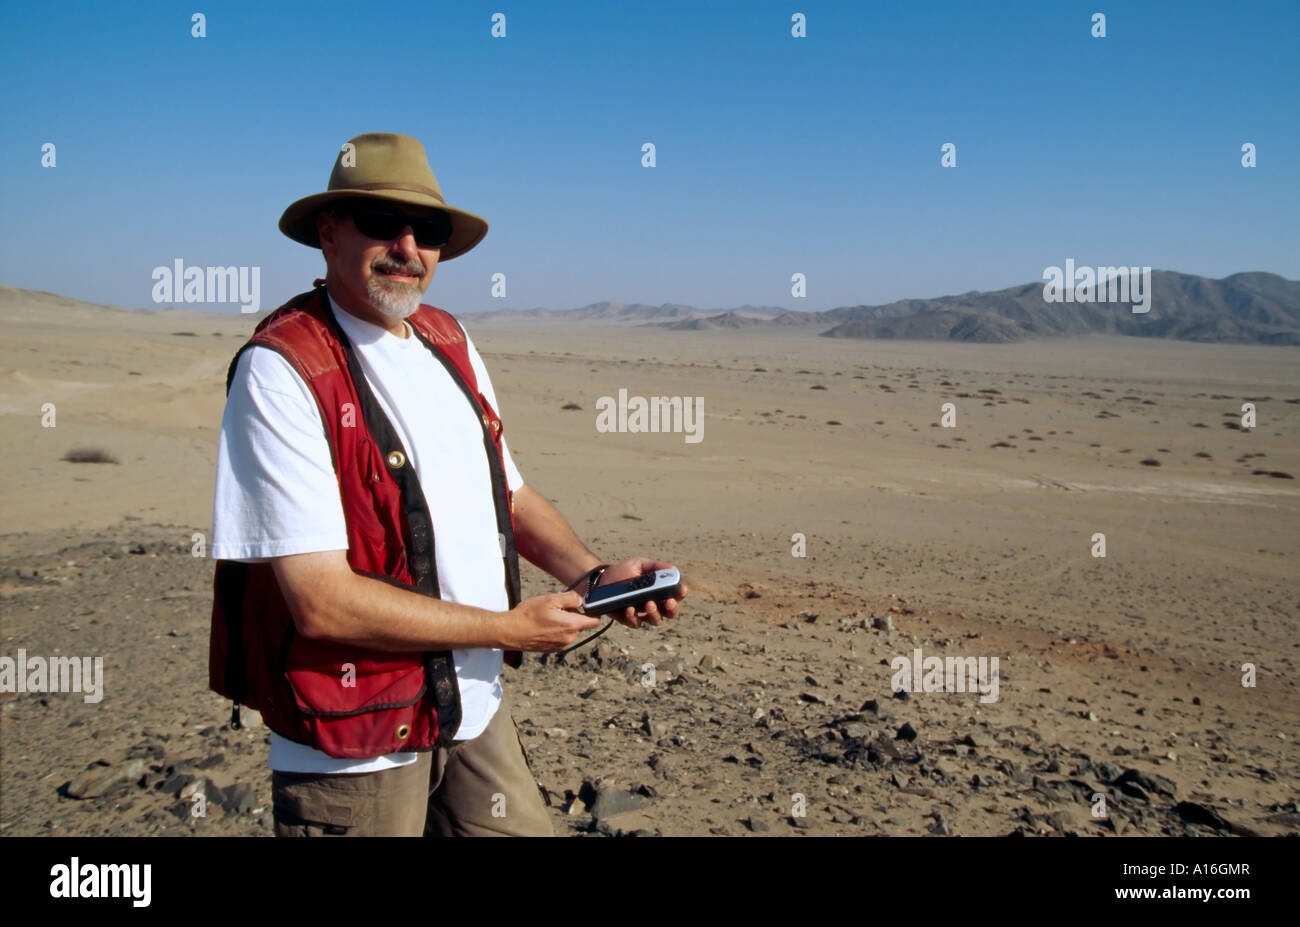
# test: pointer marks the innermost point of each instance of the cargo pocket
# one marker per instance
(314, 805)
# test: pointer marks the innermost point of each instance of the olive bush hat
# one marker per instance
(387, 167)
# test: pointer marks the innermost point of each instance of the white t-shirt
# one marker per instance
(277, 493)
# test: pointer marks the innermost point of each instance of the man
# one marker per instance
(367, 524)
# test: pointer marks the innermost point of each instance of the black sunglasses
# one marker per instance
(386, 224)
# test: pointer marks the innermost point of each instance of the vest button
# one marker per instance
(496, 426)
(403, 732)
(396, 459)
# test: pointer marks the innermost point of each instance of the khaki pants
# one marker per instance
(479, 787)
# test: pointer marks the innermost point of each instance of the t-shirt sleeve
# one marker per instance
(513, 477)
(276, 490)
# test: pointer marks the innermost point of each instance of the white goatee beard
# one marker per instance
(395, 300)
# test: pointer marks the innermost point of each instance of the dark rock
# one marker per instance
(1148, 782)
(146, 750)
(1132, 790)
(101, 778)
(239, 798)
(906, 732)
(978, 739)
(208, 762)
(856, 752)
(882, 750)
(1108, 772)
(173, 784)
(1193, 813)
(611, 802)
(756, 825)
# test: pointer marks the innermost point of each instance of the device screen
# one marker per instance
(601, 593)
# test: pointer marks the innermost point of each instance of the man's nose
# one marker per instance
(406, 244)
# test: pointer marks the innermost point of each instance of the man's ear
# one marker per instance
(325, 231)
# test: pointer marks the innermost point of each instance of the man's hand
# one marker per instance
(547, 622)
(654, 612)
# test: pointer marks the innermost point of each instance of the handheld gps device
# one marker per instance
(613, 598)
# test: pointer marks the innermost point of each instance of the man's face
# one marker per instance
(384, 276)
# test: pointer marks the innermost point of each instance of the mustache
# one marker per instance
(414, 267)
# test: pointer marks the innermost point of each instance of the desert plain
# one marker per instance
(828, 524)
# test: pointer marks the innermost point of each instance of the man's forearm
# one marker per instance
(544, 538)
(329, 601)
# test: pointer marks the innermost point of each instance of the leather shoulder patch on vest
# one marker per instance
(439, 326)
(302, 336)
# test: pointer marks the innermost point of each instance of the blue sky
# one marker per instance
(775, 155)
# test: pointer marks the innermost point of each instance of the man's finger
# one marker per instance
(569, 600)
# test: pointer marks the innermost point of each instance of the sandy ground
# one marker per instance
(772, 710)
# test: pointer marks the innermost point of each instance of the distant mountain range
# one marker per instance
(1252, 308)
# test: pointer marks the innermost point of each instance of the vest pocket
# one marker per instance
(352, 707)
(336, 681)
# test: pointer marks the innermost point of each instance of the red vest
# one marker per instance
(346, 700)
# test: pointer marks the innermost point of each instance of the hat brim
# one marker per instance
(299, 220)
